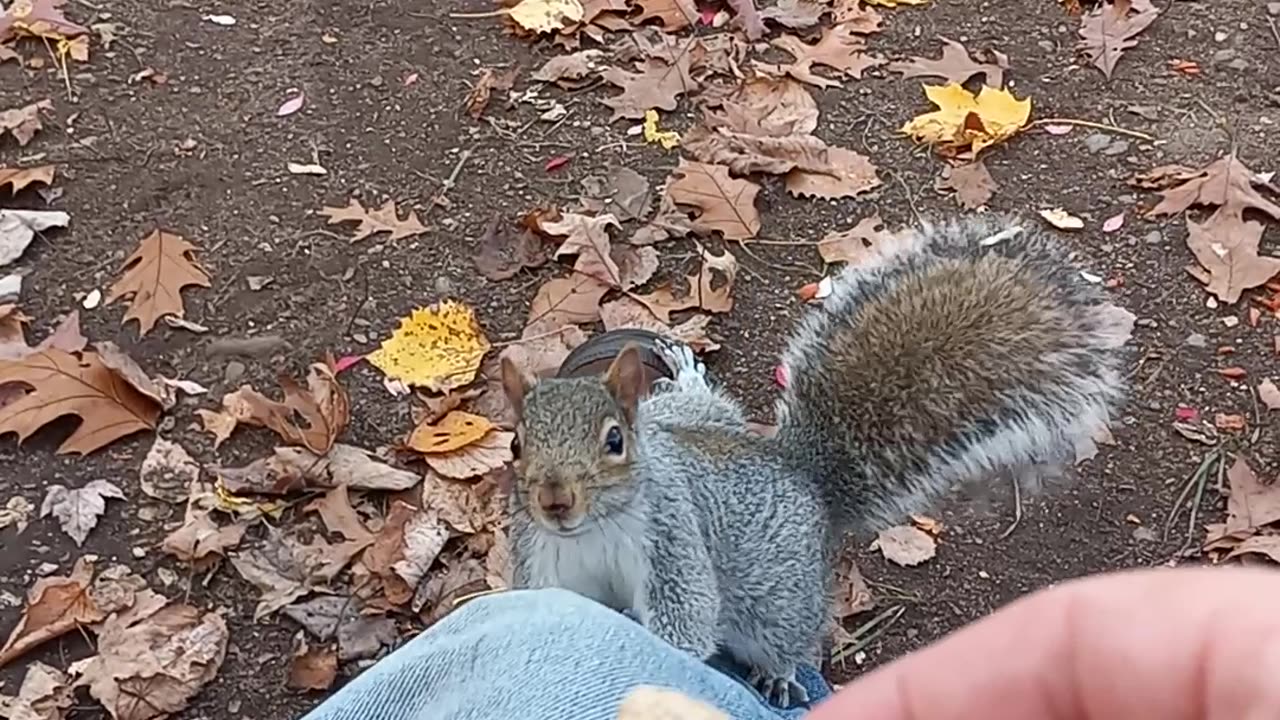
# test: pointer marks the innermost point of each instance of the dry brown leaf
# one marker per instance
(23, 122)
(1226, 245)
(852, 594)
(624, 193)
(841, 47)
(452, 432)
(200, 541)
(323, 407)
(62, 384)
(384, 219)
(119, 362)
(571, 71)
(311, 668)
(506, 249)
(1250, 504)
(711, 289)
(587, 238)
(1268, 545)
(1269, 394)
(55, 606)
(863, 19)
(774, 107)
(338, 515)
(541, 351)
(154, 276)
(13, 336)
(490, 80)
(955, 65)
(795, 14)
(78, 509)
(150, 667)
(846, 175)
(19, 178)
(971, 182)
(656, 86)
(289, 469)
(626, 312)
(748, 19)
(906, 545)
(497, 563)
(284, 569)
(571, 300)
(168, 471)
(488, 453)
(457, 503)
(745, 154)
(461, 576)
(1109, 29)
(44, 695)
(672, 15)
(670, 221)
(38, 18)
(1226, 182)
(405, 550)
(725, 204)
(864, 243)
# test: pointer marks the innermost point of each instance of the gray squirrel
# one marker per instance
(973, 350)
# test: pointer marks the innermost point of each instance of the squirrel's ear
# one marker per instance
(516, 384)
(625, 379)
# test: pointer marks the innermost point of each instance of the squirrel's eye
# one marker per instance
(613, 440)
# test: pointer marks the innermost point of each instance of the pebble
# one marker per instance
(46, 569)
(1144, 534)
(444, 285)
(1154, 238)
(1224, 55)
(1196, 340)
(1097, 142)
(1273, 9)
(233, 371)
(1119, 147)
(360, 337)
(138, 552)
(1219, 36)
(1231, 321)
(1148, 322)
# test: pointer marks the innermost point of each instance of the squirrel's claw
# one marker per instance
(778, 690)
(684, 365)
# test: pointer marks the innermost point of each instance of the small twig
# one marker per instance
(864, 634)
(363, 301)
(452, 179)
(1094, 125)
(1197, 482)
(1017, 510)
(479, 15)
(1275, 32)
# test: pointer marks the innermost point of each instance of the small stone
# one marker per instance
(1144, 534)
(8, 599)
(1239, 64)
(233, 707)
(376, 81)
(167, 576)
(46, 569)
(1097, 141)
(257, 282)
(1211, 303)
(444, 285)
(1046, 45)
(1196, 340)
(1231, 321)
(1224, 55)
(138, 552)
(1119, 147)
(360, 337)
(1147, 322)
(1219, 36)
(1154, 238)
(233, 371)
(1273, 9)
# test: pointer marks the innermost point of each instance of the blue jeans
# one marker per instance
(539, 654)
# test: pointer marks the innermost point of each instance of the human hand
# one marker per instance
(1186, 644)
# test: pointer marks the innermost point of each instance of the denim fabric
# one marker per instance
(538, 654)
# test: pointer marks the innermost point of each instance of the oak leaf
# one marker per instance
(19, 178)
(795, 14)
(864, 243)
(711, 289)
(62, 384)
(338, 515)
(955, 66)
(1225, 182)
(293, 468)
(964, 121)
(506, 249)
(55, 606)
(154, 276)
(673, 15)
(323, 407)
(1110, 29)
(588, 238)
(840, 47)
(452, 432)
(384, 219)
(23, 122)
(571, 71)
(972, 184)
(1226, 245)
(745, 154)
(1269, 394)
(437, 347)
(490, 452)
(78, 510)
(847, 174)
(725, 204)
(570, 300)
(624, 193)
(656, 86)
(774, 107)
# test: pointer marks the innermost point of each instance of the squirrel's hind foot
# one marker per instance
(781, 690)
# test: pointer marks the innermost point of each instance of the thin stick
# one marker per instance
(489, 14)
(1274, 31)
(864, 635)
(1096, 126)
(1017, 510)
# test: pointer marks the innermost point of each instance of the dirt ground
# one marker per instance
(205, 155)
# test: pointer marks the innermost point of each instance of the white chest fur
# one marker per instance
(606, 562)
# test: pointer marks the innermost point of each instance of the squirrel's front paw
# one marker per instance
(684, 365)
(780, 690)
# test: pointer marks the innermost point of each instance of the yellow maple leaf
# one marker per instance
(439, 347)
(964, 121)
(546, 15)
(652, 134)
(454, 431)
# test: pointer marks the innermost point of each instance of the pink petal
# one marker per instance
(1186, 414)
(1113, 224)
(556, 162)
(1058, 129)
(345, 362)
(291, 106)
(780, 376)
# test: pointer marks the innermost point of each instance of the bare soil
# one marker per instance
(120, 154)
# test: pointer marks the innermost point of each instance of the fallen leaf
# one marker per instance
(626, 312)
(1268, 545)
(460, 577)
(24, 122)
(490, 80)
(852, 594)
(384, 219)
(853, 12)
(672, 15)
(506, 249)
(1226, 182)
(291, 106)
(405, 549)
(17, 512)
(457, 503)
(653, 134)
(289, 469)
(764, 106)
(453, 432)
(1109, 29)
(569, 71)
(55, 606)
(540, 16)
(1226, 245)
(954, 66)
(19, 227)
(1113, 223)
(439, 347)
(658, 85)
(588, 238)
(726, 205)
(284, 569)
(311, 668)
(745, 154)
(1250, 504)
(906, 545)
(490, 452)
(971, 182)
(847, 174)
(1269, 394)
(571, 300)
(840, 47)
(78, 510)
(153, 278)
(1232, 373)
(711, 289)
(200, 540)
(61, 384)
(795, 14)
(43, 695)
(168, 471)
(1062, 219)
(864, 243)
(967, 122)
(323, 407)
(19, 178)
(151, 667)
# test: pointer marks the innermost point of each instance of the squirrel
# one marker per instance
(972, 350)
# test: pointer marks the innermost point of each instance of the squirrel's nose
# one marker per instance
(556, 500)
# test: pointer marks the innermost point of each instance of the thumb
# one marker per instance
(1187, 644)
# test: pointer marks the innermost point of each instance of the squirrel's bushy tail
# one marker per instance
(975, 350)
